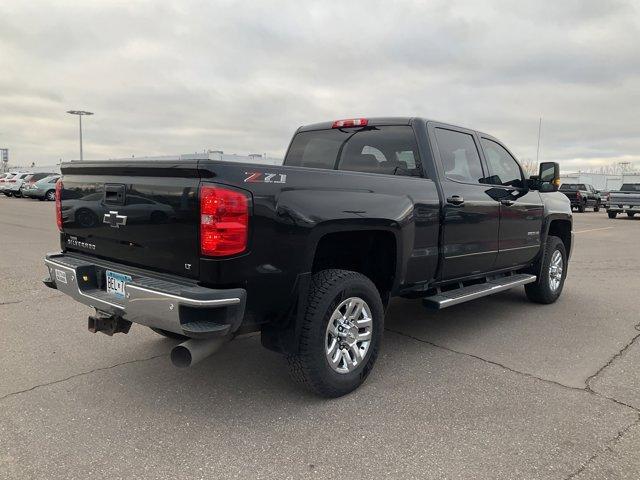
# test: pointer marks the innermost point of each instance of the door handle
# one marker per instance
(507, 202)
(456, 200)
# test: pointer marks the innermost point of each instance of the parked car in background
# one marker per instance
(30, 180)
(626, 200)
(582, 196)
(5, 179)
(42, 189)
(604, 198)
(12, 185)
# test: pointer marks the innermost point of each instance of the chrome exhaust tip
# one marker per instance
(195, 350)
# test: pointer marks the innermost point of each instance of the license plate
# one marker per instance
(116, 282)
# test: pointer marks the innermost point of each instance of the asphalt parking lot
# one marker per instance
(496, 388)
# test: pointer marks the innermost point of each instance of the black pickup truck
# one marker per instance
(309, 253)
(582, 196)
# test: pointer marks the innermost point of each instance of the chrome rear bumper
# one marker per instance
(179, 306)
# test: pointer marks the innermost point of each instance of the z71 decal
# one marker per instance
(264, 177)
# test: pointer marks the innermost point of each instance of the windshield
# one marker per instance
(388, 150)
(630, 187)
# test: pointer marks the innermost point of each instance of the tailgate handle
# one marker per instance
(114, 194)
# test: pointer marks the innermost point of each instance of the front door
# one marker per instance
(521, 209)
(471, 216)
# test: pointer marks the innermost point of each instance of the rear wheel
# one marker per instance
(596, 208)
(552, 271)
(168, 334)
(581, 207)
(631, 214)
(18, 194)
(340, 335)
(612, 214)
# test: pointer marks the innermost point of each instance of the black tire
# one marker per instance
(612, 214)
(581, 208)
(631, 214)
(18, 194)
(310, 366)
(596, 208)
(50, 195)
(540, 291)
(8, 194)
(168, 334)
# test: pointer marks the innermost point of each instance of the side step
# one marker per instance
(464, 294)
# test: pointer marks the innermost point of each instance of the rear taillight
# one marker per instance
(59, 204)
(224, 221)
(350, 122)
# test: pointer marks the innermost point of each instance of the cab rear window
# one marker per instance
(390, 150)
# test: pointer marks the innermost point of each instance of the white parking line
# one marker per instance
(593, 230)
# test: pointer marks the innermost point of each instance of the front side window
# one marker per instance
(390, 150)
(459, 155)
(503, 168)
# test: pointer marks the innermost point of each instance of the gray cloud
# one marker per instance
(179, 77)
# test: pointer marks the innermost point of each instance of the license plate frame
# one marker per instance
(115, 283)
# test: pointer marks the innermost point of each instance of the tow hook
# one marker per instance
(108, 324)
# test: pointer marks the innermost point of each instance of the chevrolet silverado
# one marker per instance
(309, 253)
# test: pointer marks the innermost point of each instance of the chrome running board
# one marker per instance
(464, 294)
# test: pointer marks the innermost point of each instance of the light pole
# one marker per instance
(80, 113)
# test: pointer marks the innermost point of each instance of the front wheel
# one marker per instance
(631, 214)
(612, 214)
(552, 271)
(341, 332)
(50, 195)
(596, 208)
(581, 208)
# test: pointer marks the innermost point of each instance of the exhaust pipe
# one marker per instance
(195, 350)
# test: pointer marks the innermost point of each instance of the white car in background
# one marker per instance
(12, 185)
(4, 179)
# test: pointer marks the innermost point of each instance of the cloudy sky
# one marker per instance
(178, 77)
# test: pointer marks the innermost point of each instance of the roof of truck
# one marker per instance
(373, 121)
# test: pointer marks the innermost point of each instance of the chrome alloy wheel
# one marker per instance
(348, 335)
(555, 271)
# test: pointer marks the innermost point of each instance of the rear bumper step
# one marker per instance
(465, 294)
(179, 307)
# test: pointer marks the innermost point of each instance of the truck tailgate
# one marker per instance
(144, 214)
(623, 198)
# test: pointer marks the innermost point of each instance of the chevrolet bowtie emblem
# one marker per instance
(114, 220)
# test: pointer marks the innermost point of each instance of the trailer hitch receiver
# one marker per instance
(108, 324)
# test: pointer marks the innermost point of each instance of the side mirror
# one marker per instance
(549, 176)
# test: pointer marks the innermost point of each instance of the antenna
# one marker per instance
(538, 150)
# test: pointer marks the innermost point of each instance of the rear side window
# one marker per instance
(503, 168)
(390, 150)
(569, 187)
(459, 156)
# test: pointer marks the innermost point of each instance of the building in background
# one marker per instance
(601, 181)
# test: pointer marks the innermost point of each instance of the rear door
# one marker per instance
(144, 215)
(470, 214)
(521, 209)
